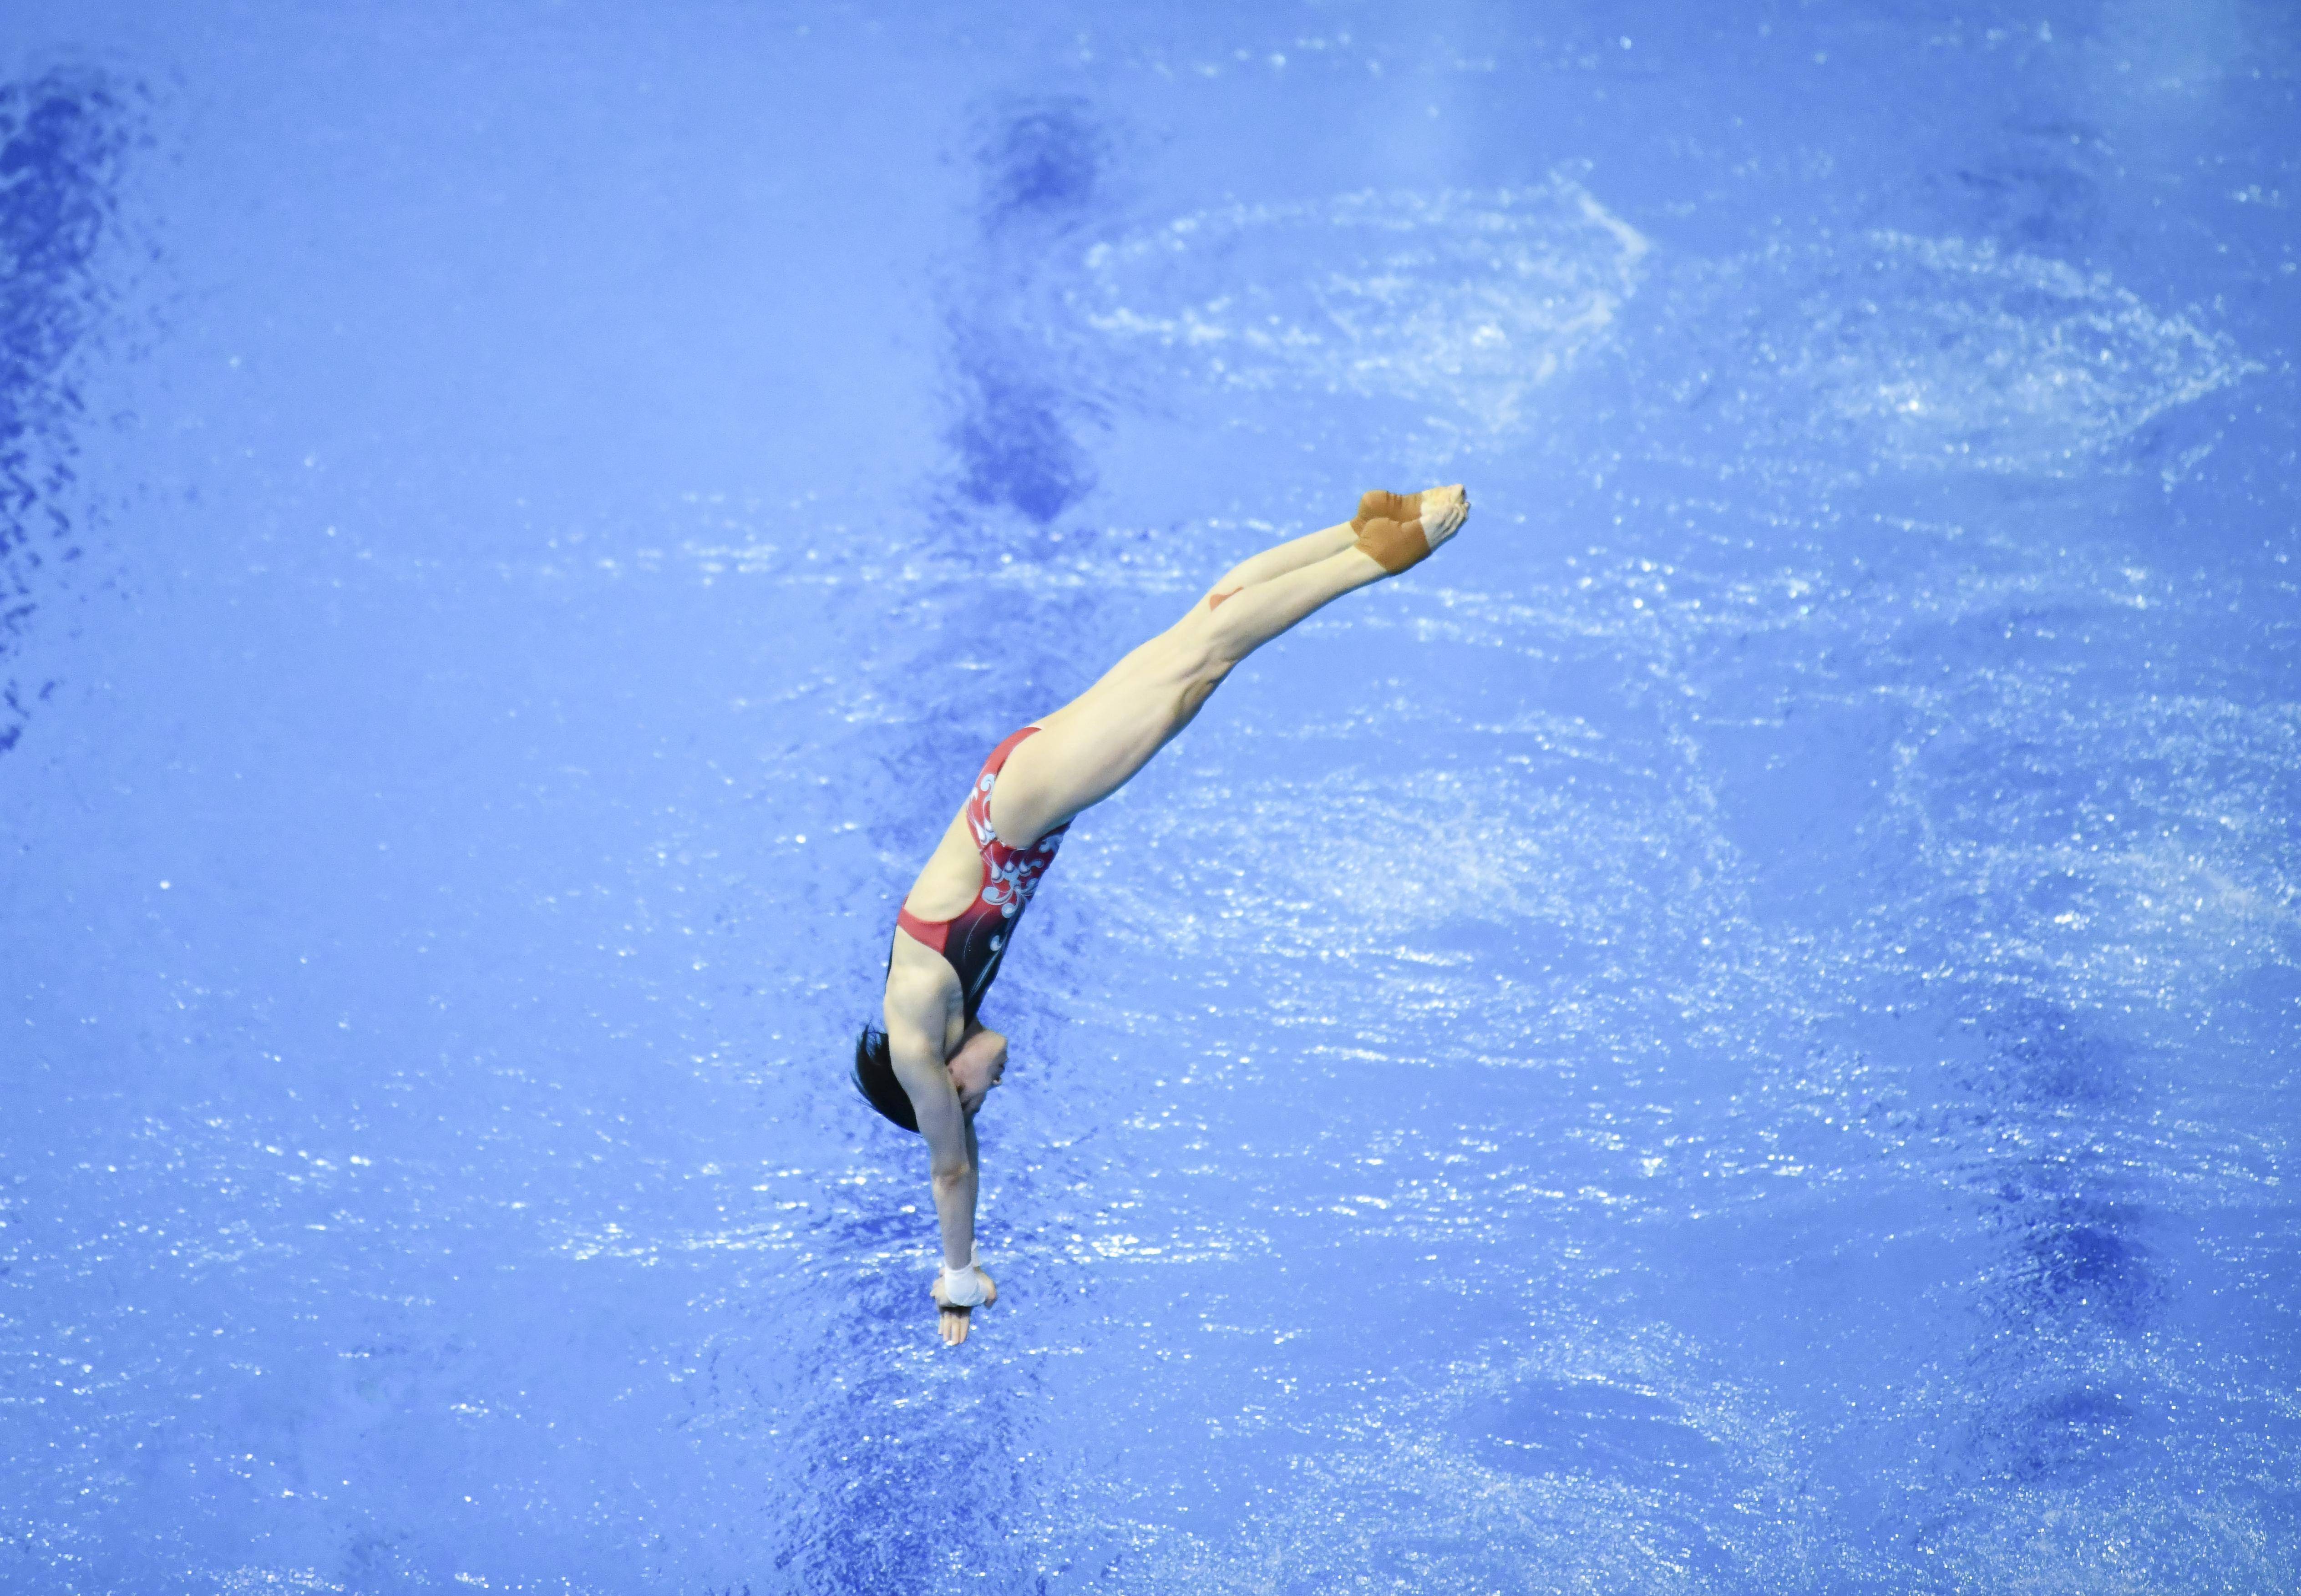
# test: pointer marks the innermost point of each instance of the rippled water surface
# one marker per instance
(1734, 1032)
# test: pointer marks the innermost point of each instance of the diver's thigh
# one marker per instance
(1085, 751)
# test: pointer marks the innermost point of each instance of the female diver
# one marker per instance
(929, 1070)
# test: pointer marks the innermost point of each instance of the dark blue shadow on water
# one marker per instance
(1042, 166)
(63, 138)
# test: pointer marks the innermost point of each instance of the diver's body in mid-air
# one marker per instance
(930, 1069)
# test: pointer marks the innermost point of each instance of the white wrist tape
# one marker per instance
(968, 1287)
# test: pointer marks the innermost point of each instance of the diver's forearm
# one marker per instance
(954, 1200)
(954, 1197)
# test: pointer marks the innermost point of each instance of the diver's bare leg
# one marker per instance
(1093, 745)
(1283, 557)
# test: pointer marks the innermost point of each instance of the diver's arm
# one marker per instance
(972, 1285)
(950, 1148)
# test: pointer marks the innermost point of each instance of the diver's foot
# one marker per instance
(1375, 504)
(1443, 511)
(1395, 544)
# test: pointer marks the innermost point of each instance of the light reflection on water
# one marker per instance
(1730, 1033)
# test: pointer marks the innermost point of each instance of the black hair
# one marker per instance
(875, 1078)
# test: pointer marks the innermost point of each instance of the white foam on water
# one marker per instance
(252, 1580)
(2161, 887)
(2111, 1539)
(2009, 1519)
(1456, 305)
(1348, 892)
(1912, 352)
(1404, 1492)
(1927, 353)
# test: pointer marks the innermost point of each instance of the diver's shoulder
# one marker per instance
(918, 976)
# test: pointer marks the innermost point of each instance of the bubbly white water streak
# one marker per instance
(1457, 305)
(1919, 353)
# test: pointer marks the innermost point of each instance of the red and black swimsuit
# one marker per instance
(975, 939)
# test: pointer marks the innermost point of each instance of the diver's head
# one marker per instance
(875, 1078)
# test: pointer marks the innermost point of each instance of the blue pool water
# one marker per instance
(1735, 1033)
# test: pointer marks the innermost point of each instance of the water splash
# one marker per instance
(1926, 355)
(1448, 308)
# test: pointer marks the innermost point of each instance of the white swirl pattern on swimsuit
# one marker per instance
(1011, 874)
